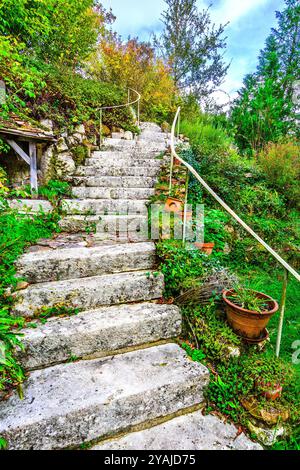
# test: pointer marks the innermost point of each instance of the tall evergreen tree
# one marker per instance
(265, 110)
(193, 47)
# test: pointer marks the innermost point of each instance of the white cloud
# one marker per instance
(233, 10)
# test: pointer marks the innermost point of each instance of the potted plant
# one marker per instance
(207, 248)
(249, 312)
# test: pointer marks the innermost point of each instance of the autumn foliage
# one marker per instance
(134, 65)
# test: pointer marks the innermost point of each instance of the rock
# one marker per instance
(64, 165)
(47, 124)
(266, 436)
(47, 164)
(78, 138)
(267, 414)
(79, 129)
(22, 285)
(61, 145)
(233, 351)
(128, 135)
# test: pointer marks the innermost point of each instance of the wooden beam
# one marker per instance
(19, 150)
(33, 167)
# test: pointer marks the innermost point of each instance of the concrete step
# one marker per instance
(100, 170)
(98, 333)
(73, 263)
(67, 405)
(150, 126)
(118, 162)
(112, 193)
(115, 181)
(105, 223)
(104, 206)
(153, 136)
(90, 292)
(141, 147)
(122, 159)
(30, 206)
(192, 431)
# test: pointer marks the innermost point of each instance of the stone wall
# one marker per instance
(59, 160)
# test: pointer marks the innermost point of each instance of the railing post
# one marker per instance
(171, 172)
(100, 128)
(282, 311)
(178, 126)
(185, 207)
(139, 109)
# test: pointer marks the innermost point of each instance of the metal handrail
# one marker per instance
(287, 268)
(129, 103)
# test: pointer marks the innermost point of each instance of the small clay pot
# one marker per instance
(270, 392)
(247, 323)
(173, 205)
(207, 248)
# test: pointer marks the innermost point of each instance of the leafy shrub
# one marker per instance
(17, 231)
(80, 154)
(281, 164)
(183, 268)
(55, 190)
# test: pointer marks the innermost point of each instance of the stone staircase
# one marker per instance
(113, 368)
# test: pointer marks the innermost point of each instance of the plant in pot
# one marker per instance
(269, 376)
(249, 312)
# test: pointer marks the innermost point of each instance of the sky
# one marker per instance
(250, 22)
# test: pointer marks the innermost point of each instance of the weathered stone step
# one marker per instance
(104, 206)
(142, 147)
(106, 223)
(192, 431)
(98, 333)
(68, 405)
(61, 264)
(153, 136)
(91, 292)
(121, 159)
(120, 181)
(99, 170)
(30, 206)
(112, 193)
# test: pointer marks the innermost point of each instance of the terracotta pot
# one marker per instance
(205, 247)
(173, 205)
(270, 392)
(247, 323)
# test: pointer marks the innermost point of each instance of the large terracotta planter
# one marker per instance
(248, 324)
(173, 205)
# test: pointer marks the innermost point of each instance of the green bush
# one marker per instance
(280, 163)
(17, 232)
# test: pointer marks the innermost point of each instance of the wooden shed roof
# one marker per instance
(23, 130)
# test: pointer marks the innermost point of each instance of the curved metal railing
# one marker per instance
(287, 268)
(129, 103)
